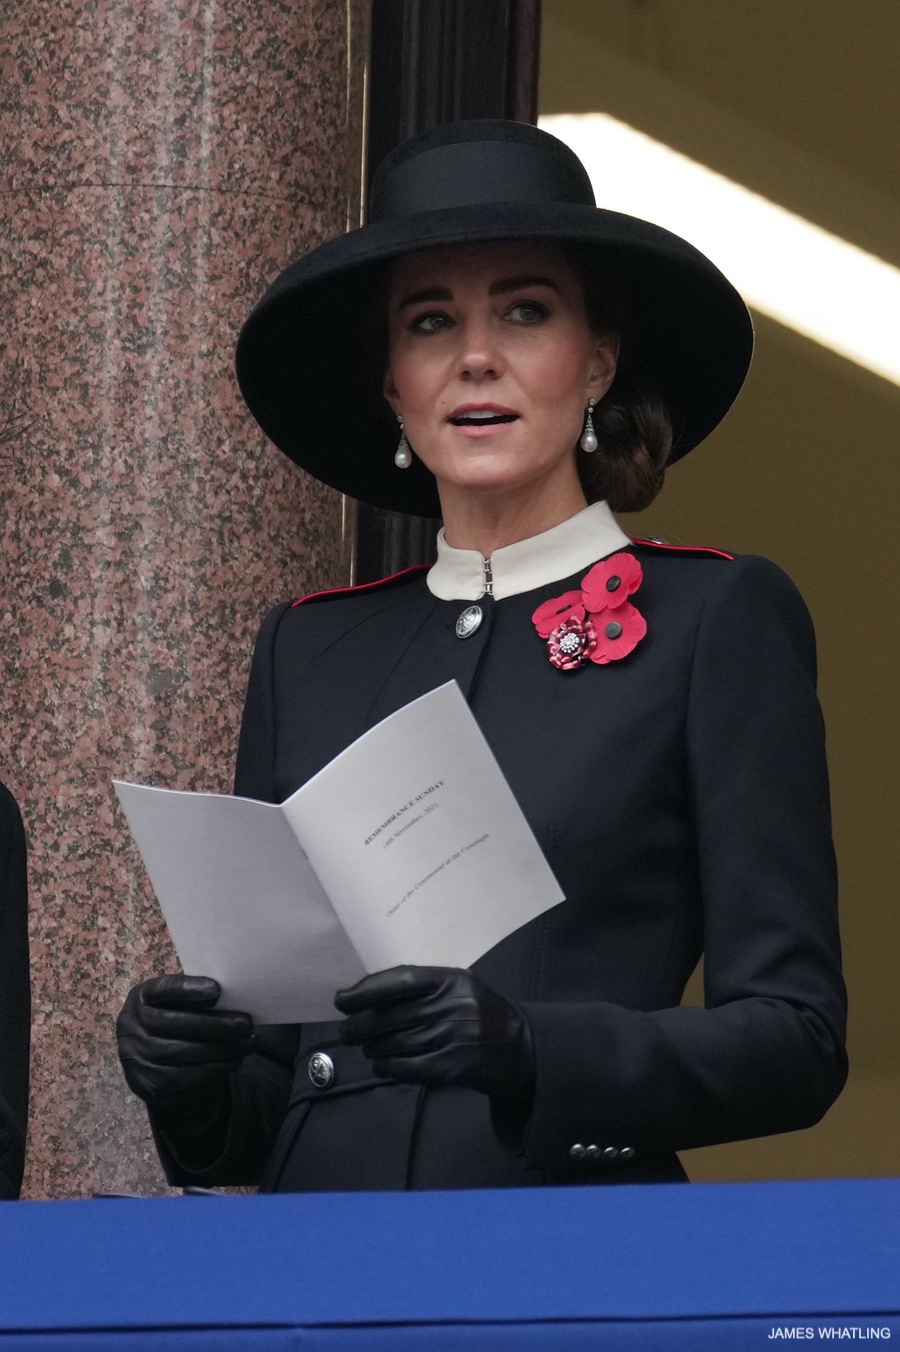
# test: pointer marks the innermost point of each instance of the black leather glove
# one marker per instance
(440, 1025)
(176, 1049)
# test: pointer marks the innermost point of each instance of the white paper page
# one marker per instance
(418, 840)
(241, 902)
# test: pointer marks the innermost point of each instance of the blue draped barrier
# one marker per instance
(724, 1267)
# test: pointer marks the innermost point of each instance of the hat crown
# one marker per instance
(467, 164)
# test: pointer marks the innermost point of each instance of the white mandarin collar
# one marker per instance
(592, 534)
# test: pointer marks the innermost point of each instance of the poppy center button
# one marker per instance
(468, 622)
(321, 1070)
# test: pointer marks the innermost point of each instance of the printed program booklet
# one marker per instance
(409, 847)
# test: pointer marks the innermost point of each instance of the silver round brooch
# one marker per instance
(571, 644)
(468, 622)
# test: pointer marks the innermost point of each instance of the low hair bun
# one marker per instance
(635, 434)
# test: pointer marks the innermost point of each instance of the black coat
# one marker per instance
(15, 997)
(680, 796)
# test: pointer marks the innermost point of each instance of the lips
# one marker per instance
(482, 415)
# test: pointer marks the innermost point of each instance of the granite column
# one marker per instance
(159, 163)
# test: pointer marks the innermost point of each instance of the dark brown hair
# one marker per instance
(633, 425)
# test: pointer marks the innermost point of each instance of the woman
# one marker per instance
(653, 709)
(15, 996)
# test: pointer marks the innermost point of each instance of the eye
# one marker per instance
(528, 312)
(432, 322)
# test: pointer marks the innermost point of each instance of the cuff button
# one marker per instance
(610, 1154)
(627, 1152)
(577, 1152)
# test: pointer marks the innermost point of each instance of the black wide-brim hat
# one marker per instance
(304, 359)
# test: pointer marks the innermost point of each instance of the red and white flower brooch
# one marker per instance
(597, 623)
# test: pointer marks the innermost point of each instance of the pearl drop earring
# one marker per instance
(589, 441)
(403, 453)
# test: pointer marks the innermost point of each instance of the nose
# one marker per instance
(480, 357)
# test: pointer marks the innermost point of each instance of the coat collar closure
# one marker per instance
(464, 574)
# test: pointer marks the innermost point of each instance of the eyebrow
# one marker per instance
(429, 293)
(518, 284)
(500, 288)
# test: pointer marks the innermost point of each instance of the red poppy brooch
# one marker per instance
(597, 623)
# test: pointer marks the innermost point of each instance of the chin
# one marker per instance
(486, 472)
(487, 468)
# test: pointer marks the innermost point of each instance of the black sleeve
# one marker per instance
(15, 997)
(254, 775)
(235, 1152)
(258, 1093)
(766, 1054)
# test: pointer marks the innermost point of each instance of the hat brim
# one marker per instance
(301, 355)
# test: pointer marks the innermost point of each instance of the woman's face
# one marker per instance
(491, 362)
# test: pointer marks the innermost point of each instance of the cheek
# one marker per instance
(415, 375)
(556, 374)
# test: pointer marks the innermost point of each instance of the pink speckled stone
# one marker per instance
(160, 160)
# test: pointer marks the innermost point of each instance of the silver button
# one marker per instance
(610, 1154)
(321, 1070)
(627, 1152)
(577, 1152)
(591, 1152)
(468, 622)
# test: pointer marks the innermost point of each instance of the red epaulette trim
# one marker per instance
(363, 586)
(686, 549)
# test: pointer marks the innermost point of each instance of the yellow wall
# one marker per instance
(806, 469)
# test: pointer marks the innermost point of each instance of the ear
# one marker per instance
(603, 366)
(389, 390)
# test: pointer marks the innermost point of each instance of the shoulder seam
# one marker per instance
(333, 592)
(686, 549)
